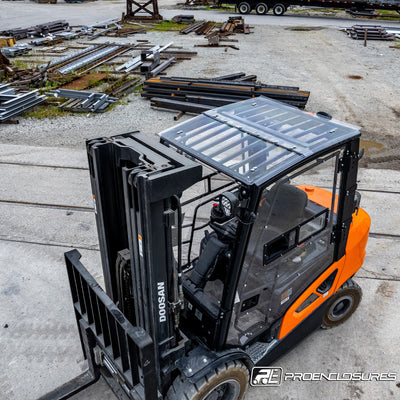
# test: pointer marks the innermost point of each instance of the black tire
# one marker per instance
(279, 9)
(261, 8)
(342, 304)
(227, 382)
(244, 7)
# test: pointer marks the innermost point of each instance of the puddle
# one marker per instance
(371, 147)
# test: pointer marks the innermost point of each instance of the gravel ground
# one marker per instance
(316, 59)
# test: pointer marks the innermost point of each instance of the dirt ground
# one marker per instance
(353, 83)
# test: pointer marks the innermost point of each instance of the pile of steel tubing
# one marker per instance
(16, 50)
(81, 101)
(87, 59)
(186, 92)
(369, 32)
(37, 30)
(12, 104)
(137, 61)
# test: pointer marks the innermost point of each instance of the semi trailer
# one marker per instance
(279, 7)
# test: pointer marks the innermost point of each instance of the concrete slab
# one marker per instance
(378, 179)
(380, 259)
(53, 156)
(364, 343)
(380, 207)
(48, 226)
(44, 185)
(38, 336)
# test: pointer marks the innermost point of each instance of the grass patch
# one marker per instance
(387, 15)
(20, 64)
(168, 26)
(45, 111)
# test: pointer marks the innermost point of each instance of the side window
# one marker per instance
(290, 243)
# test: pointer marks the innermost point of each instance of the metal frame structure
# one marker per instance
(142, 10)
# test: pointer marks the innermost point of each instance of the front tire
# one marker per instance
(244, 7)
(279, 9)
(261, 8)
(342, 304)
(226, 382)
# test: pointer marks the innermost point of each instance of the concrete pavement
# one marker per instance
(38, 336)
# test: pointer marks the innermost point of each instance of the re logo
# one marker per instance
(266, 376)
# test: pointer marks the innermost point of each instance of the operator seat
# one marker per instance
(285, 207)
(211, 250)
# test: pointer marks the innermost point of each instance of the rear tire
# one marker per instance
(226, 382)
(342, 304)
(244, 7)
(261, 8)
(279, 9)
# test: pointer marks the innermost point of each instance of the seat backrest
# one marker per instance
(286, 205)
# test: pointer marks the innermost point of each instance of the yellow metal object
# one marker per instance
(6, 41)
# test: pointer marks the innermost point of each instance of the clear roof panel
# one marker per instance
(256, 138)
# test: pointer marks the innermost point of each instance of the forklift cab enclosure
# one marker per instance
(223, 248)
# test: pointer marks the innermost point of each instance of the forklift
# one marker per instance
(223, 245)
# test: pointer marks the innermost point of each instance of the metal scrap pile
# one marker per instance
(37, 30)
(235, 25)
(197, 95)
(12, 104)
(369, 32)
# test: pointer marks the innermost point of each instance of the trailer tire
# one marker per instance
(279, 9)
(244, 7)
(261, 8)
(342, 304)
(227, 381)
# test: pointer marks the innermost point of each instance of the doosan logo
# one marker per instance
(162, 312)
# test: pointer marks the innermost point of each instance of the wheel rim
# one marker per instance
(226, 390)
(243, 8)
(261, 9)
(279, 10)
(340, 307)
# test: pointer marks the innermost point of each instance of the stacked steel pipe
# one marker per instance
(197, 95)
(369, 32)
